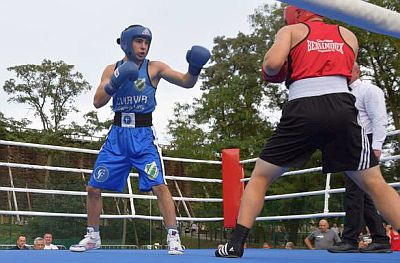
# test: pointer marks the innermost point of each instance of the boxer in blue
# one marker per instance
(131, 83)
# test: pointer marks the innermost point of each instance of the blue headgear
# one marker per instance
(131, 33)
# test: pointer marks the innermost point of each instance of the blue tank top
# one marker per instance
(137, 96)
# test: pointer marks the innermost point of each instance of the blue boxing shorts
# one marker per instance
(126, 148)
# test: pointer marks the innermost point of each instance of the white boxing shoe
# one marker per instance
(91, 241)
(174, 243)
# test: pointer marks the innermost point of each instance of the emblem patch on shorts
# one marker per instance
(140, 84)
(101, 174)
(151, 170)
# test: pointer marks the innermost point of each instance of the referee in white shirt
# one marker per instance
(359, 207)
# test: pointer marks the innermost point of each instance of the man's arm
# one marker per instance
(197, 57)
(376, 110)
(172, 76)
(308, 243)
(350, 39)
(277, 55)
(101, 98)
(336, 238)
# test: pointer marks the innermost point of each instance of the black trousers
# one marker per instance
(361, 211)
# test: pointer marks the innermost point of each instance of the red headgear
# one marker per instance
(294, 15)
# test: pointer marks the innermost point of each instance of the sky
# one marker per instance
(83, 33)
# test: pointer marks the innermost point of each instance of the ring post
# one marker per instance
(232, 186)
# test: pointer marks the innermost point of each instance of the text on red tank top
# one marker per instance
(322, 53)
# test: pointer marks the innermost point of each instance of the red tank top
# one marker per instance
(323, 52)
(394, 241)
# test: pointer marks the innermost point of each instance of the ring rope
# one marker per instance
(88, 171)
(355, 12)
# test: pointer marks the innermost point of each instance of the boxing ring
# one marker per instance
(131, 196)
(350, 15)
(193, 256)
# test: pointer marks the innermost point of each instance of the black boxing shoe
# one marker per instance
(235, 247)
(229, 251)
(344, 247)
(377, 248)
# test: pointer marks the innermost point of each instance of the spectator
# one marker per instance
(335, 228)
(341, 228)
(38, 243)
(364, 239)
(323, 237)
(48, 239)
(266, 245)
(21, 243)
(394, 238)
(289, 245)
(194, 228)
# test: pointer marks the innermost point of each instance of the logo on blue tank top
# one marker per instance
(101, 174)
(140, 84)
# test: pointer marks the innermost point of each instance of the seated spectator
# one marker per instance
(323, 237)
(38, 243)
(194, 228)
(21, 243)
(266, 245)
(364, 239)
(394, 238)
(289, 245)
(362, 244)
(335, 228)
(48, 239)
(341, 229)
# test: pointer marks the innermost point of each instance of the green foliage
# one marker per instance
(50, 89)
(92, 125)
(380, 55)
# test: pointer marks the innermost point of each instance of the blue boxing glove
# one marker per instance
(127, 71)
(197, 57)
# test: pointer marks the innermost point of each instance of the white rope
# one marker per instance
(88, 171)
(79, 150)
(184, 160)
(304, 216)
(355, 12)
(391, 133)
(49, 147)
(303, 171)
(81, 193)
(313, 193)
(29, 213)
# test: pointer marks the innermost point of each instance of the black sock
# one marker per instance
(240, 234)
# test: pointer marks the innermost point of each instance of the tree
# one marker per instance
(92, 125)
(380, 55)
(10, 129)
(50, 89)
